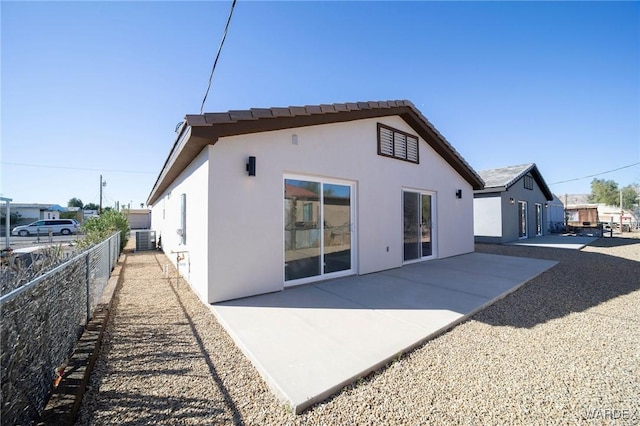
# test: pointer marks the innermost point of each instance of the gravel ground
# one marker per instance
(563, 349)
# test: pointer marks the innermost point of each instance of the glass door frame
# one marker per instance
(434, 224)
(539, 221)
(523, 220)
(353, 243)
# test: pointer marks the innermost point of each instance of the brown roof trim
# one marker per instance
(198, 131)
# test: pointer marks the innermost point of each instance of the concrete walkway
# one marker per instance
(310, 341)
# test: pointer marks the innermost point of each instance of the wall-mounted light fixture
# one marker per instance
(546, 205)
(459, 193)
(251, 166)
(512, 201)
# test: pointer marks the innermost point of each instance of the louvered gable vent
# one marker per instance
(412, 149)
(397, 144)
(386, 141)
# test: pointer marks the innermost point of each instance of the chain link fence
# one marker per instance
(42, 320)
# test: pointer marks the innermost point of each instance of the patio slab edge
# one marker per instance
(264, 373)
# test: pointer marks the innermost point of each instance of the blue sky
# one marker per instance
(90, 88)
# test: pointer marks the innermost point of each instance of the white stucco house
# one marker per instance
(259, 200)
(32, 212)
(513, 204)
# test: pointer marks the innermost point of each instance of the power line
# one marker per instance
(74, 168)
(224, 36)
(597, 174)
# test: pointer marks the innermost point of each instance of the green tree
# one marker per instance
(75, 202)
(629, 197)
(604, 191)
(91, 206)
(69, 215)
(13, 217)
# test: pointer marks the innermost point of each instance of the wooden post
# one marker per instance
(621, 213)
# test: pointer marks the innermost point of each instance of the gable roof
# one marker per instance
(198, 131)
(499, 180)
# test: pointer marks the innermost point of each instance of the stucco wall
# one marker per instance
(510, 211)
(139, 220)
(165, 220)
(246, 213)
(487, 216)
(28, 214)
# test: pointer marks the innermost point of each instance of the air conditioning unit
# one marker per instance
(145, 240)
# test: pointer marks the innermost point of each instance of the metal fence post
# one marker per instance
(109, 255)
(87, 287)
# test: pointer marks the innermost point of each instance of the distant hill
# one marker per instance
(574, 198)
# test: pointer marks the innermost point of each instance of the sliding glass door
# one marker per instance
(538, 219)
(522, 220)
(318, 224)
(418, 225)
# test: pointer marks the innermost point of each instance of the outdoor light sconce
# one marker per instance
(459, 193)
(251, 166)
(512, 201)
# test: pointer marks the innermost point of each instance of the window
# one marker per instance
(397, 144)
(528, 182)
(307, 212)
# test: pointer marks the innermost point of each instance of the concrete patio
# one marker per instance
(310, 341)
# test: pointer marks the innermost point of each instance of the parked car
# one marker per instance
(56, 226)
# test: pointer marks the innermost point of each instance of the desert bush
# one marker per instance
(97, 229)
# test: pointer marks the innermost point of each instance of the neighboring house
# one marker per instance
(31, 212)
(139, 218)
(512, 204)
(258, 200)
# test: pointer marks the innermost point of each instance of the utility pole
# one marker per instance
(100, 209)
(566, 219)
(101, 185)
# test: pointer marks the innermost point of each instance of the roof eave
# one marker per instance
(169, 168)
(489, 190)
(199, 131)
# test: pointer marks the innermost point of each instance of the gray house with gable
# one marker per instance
(513, 204)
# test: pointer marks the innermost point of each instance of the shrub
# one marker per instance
(99, 228)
